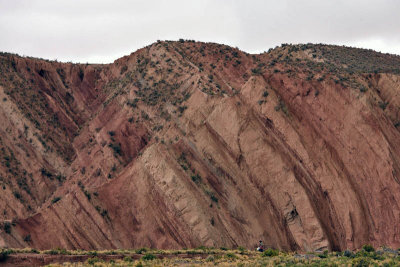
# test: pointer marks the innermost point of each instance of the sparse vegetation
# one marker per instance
(355, 59)
(383, 105)
(368, 248)
(4, 254)
(282, 106)
(270, 253)
(56, 199)
(128, 259)
(7, 227)
(148, 257)
(212, 196)
(204, 256)
(256, 71)
(196, 178)
(81, 74)
(116, 147)
(27, 238)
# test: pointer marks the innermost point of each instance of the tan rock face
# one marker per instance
(183, 144)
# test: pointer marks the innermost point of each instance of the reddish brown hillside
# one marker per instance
(183, 144)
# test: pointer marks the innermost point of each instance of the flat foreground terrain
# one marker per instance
(197, 257)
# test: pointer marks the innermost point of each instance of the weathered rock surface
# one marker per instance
(183, 144)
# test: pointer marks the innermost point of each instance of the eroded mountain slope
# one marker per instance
(183, 144)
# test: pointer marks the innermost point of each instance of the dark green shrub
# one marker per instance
(192, 252)
(104, 213)
(17, 195)
(87, 194)
(128, 259)
(41, 72)
(368, 248)
(93, 261)
(361, 262)
(92, 253)
(376, 256)
(61, 251)
(181, 109)
(383, 105)
(7, 227)
(53, 252)
(348, 253)
(81, 74)
(210, 258)
(363, 89)
(196, 178)
(4, 255)
(56, 199)
(46, 173)
(323, 255)
(149, 257)
(231, 255)
(241, 249)
(27, 238)
(270, 253)
(256, 71)
(212, 221)
(116, 148)
(214, 198)
(141, 250)
(123, 69)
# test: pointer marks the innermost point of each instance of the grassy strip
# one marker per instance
(204, 256)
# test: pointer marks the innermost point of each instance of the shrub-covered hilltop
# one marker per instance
(182, 144)
(202, 256)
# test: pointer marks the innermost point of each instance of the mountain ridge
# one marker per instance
(182, 144)
(365, 50)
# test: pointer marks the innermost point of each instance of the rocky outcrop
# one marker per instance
(183, 144)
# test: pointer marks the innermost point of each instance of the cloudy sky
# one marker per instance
(100, 31)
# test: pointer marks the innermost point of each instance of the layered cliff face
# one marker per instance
(183, 144)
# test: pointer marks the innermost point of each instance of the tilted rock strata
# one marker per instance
(183, 144)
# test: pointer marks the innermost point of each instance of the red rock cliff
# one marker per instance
(183, 144)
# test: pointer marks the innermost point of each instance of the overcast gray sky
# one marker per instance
(100, 31)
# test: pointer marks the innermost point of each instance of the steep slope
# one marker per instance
(183, 144)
